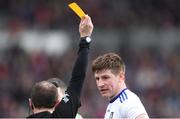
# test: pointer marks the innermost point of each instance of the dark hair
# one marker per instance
(109, 61)
(44, 95)
(57, 82)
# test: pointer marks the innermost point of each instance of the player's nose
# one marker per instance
(100, 83)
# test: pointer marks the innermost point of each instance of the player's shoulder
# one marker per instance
(124, 97)
(132, 101)
(121, 98)
(131, 94)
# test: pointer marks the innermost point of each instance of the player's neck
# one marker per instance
(122, 86)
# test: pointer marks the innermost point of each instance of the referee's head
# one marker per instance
(61, 86)
(44, 95)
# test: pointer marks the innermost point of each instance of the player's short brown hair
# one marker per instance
(109, 61)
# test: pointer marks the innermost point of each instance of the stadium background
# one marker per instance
(38, 40)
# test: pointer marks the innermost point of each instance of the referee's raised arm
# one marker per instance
(80, 66)
(45, 101)
(71, 101)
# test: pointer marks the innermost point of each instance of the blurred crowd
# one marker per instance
(151, 72)
(52, 14)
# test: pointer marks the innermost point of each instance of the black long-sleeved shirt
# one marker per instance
(70, 103)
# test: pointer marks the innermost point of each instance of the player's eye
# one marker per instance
(105, 77)
(97, 78)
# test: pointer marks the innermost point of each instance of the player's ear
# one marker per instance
(121, 75)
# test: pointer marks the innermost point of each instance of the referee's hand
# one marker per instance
(85, 26)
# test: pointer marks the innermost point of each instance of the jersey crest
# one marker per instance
(111, 115)
(65, 98)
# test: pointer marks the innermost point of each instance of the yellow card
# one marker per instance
(77, 9)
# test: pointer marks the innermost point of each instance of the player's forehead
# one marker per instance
(101, 73)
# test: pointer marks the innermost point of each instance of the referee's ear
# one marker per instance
(31, 104)
(56, 104)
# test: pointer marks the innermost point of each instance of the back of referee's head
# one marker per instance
(44, 95)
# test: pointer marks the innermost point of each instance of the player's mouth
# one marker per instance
(103, 91)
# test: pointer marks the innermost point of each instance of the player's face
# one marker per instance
(107, 83)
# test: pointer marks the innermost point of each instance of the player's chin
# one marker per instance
(104, 94)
